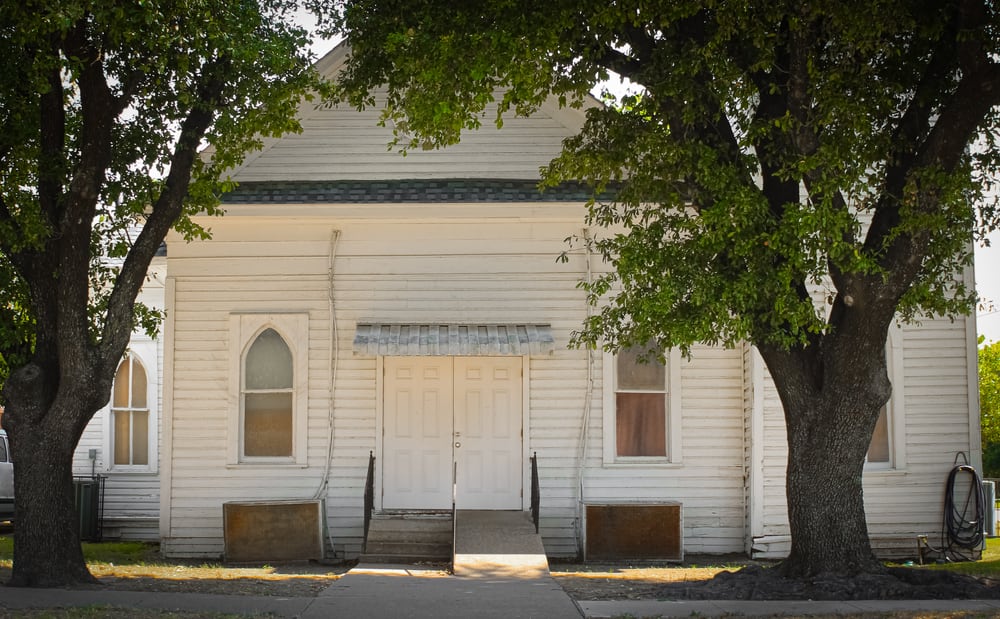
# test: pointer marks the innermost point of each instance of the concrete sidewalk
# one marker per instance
(723, 608)
(409, 592)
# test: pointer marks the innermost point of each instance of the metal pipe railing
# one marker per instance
(535, 491)
(369, 497)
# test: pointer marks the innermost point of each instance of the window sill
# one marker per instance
(131, 472)
(257, 465)
(641, 464)
(883, 473)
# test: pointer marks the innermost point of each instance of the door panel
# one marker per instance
(440, 410)
(417, 447)
(488, 432)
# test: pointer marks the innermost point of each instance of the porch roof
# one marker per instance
(394, 339)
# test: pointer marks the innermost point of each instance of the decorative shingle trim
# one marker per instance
(402, 191)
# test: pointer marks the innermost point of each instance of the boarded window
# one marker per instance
(130, 415)
(640, 405)
(623, 532)
(268, 397)
(878, 449)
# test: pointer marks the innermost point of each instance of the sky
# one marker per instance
(988, 286)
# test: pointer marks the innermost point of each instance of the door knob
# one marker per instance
(457, 445)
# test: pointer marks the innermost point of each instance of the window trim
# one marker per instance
(243, 331)
(895, 407)
(673, 413)
(143, 351)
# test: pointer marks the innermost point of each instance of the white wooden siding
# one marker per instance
(478, 271)
(342, 143)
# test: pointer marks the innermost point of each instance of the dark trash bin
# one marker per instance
(89, 500)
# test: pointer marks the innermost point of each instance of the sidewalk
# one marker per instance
(408, 592)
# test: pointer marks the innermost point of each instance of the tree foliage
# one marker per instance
(989, 407)
(104, 109)
(792, 174)
(98, 121)
(868, 106)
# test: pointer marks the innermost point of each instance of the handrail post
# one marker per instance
(369, 498)
(454, 510)
(535, 491)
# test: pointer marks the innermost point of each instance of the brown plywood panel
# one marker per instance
(624, 531)
(273, 531)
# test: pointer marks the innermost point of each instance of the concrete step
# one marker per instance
(409, 538)
(428, 537)
(382, 559)
(403, 549)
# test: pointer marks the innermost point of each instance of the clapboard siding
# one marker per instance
(709, 480)
(447, 271)
(503, 271)
(339, 142)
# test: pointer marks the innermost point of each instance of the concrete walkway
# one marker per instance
(403, 591)
(498, 543)
(408, 592)
(728, 608)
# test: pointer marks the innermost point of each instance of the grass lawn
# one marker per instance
(987, 567)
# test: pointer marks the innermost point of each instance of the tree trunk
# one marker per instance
(826, 511)
(831, 394)
(47, 550)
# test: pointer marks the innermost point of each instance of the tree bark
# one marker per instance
(43, 432)
(826, 511)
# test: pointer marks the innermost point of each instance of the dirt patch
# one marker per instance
(295, 580)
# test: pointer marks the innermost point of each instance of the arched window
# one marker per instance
(130, 414)
(269, 389)
(268, 398)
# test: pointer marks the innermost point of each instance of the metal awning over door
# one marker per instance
(463, 340)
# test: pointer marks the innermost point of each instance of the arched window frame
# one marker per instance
(244, 331)
(143, 352)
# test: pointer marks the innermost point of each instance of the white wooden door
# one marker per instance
(417, 445)
(445, 410)
(488, 432)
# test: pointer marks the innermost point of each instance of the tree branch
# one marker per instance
(52, 158)
(165, 211)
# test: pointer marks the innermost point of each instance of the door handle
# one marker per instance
(457, 445)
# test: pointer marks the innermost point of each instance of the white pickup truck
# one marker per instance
(6, 479)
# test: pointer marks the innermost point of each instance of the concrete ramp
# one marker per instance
(498, 544)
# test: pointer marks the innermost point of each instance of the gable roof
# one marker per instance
(340, 143)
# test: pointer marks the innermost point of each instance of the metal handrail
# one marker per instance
(535, 491)
(369, 497)
(454, 510)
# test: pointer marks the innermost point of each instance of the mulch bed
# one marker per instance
(898, 583)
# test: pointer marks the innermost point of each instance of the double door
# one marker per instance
(452, 415)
